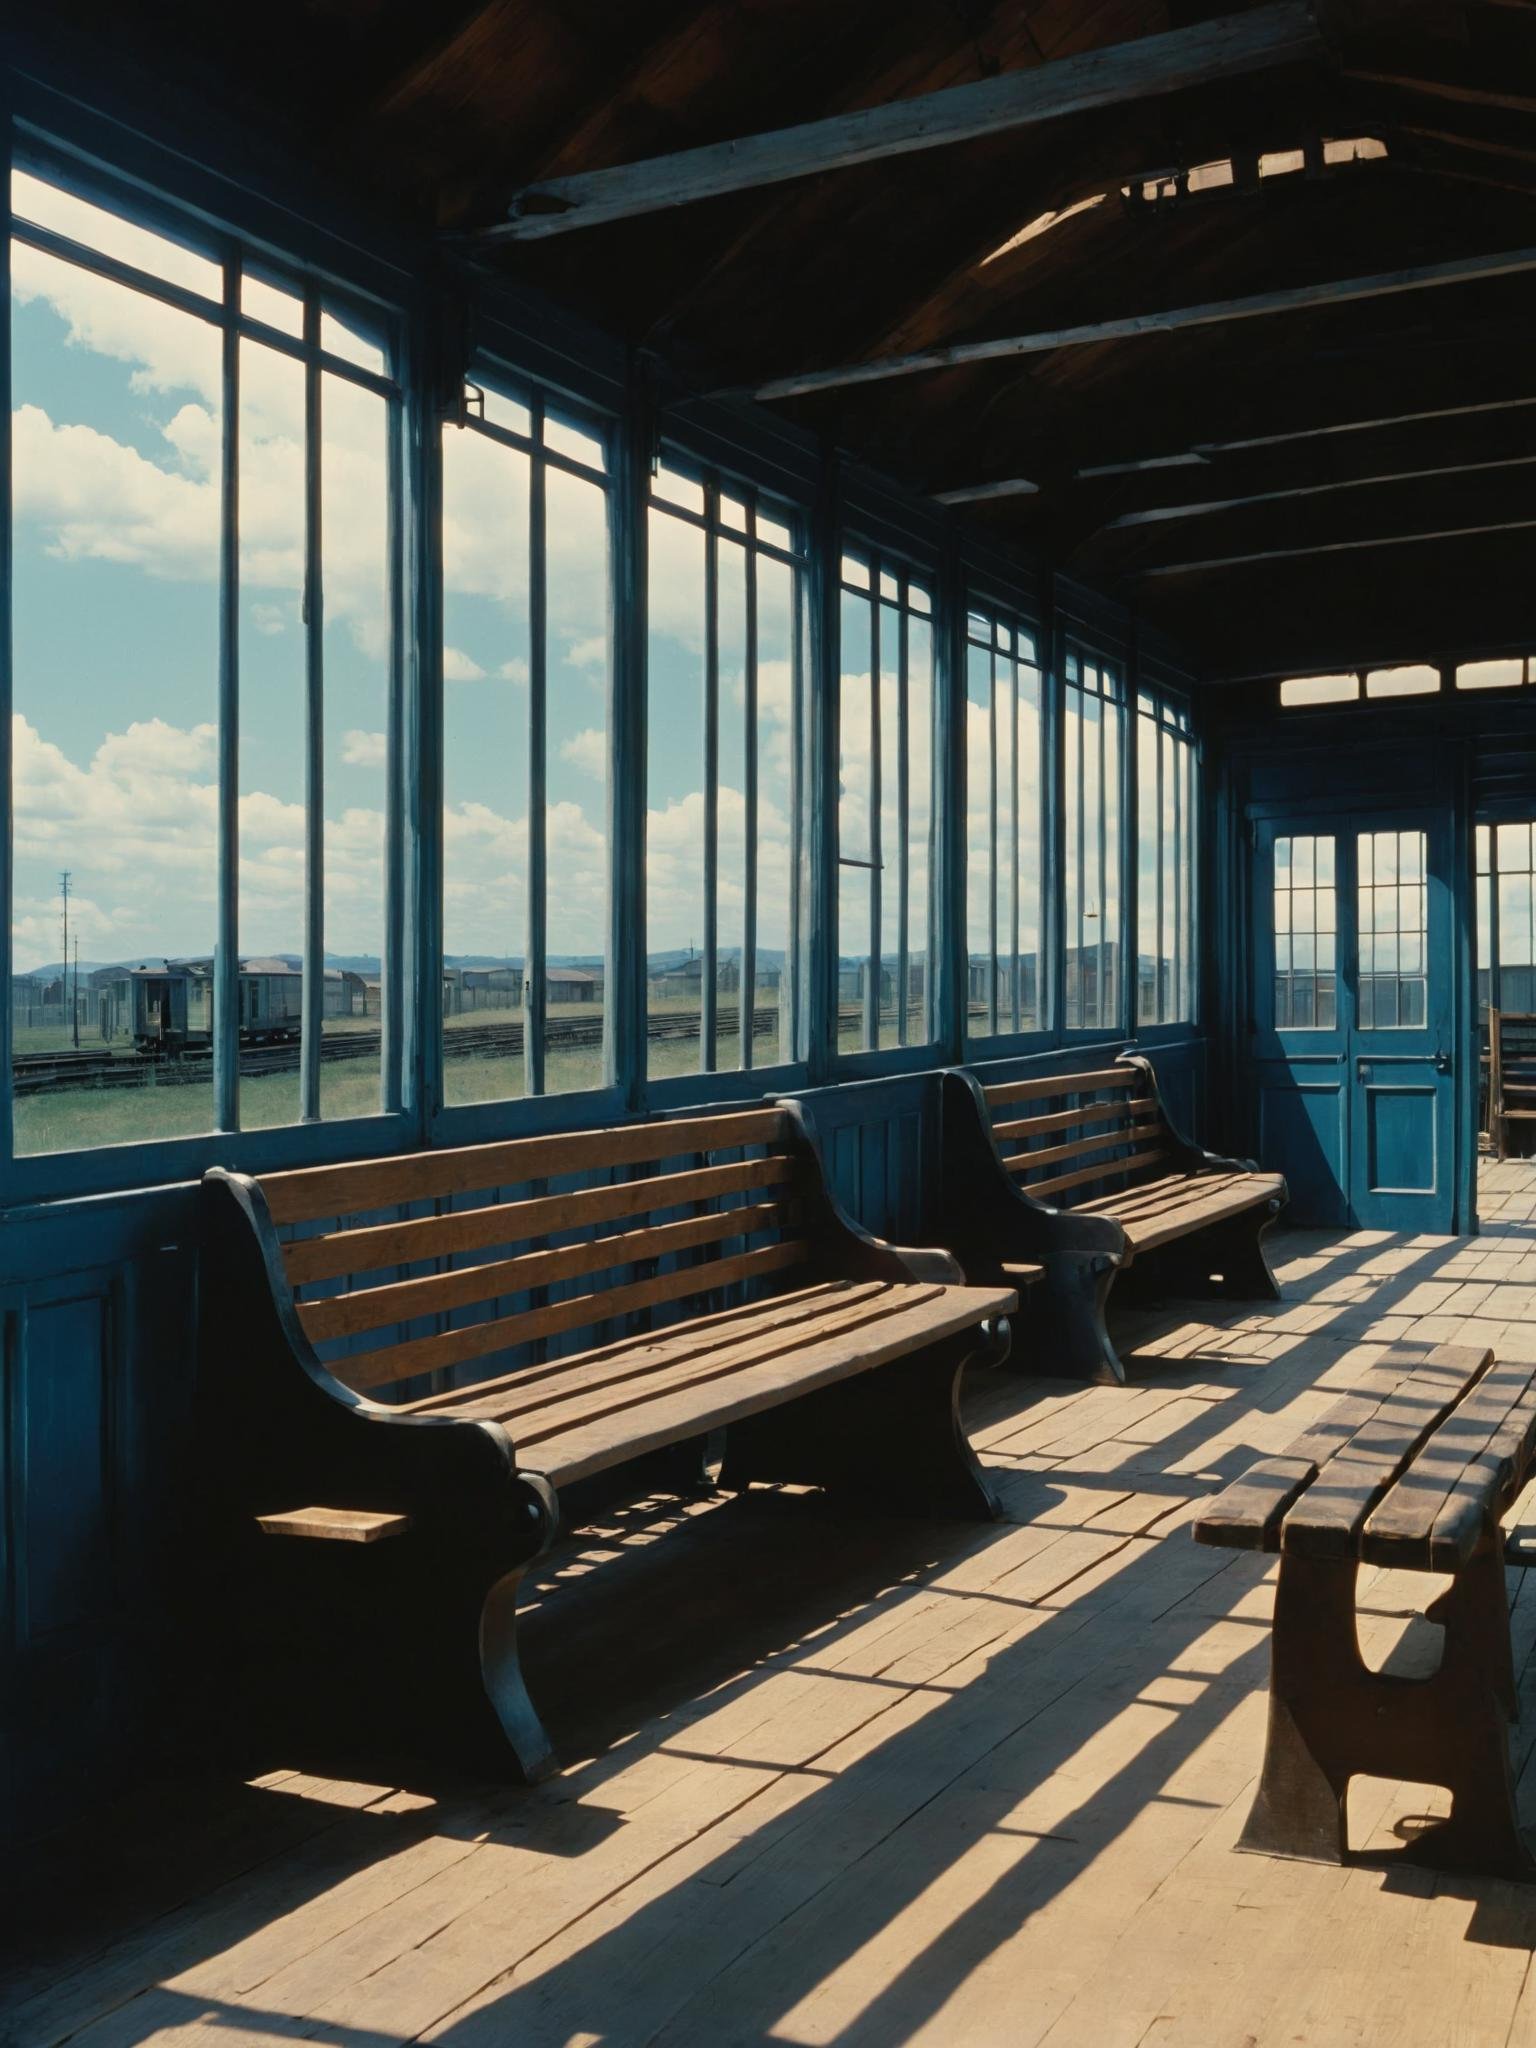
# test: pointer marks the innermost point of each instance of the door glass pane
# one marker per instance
(1393, 922)
(1305, 921)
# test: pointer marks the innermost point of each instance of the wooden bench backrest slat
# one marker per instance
(1069, 1119)
(1104, 1170)
(375, 1247)
(401, 1301)
(1079, 1148)
(584, 1311)
(325, 1192)
(1002, 1092)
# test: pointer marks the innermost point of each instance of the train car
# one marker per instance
(167, 1009)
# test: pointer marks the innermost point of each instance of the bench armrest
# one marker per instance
(989, 1218)
(846, 1247)
(931, 1263)
(1192, 1157)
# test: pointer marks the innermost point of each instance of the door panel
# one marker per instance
(1353, 1016)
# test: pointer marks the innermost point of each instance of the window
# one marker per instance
(1304, 690)
(1392, 924)
(526, 663)
(205, 684)
(1305, 934)
(1165, 862)
(1417, 681)
(1005, 854)
(725, 680)
(1506, 917)
(885, 806)
(1093, 732)
(1511, 674)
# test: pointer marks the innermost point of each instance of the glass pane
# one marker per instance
(731, 887)
(981, 844)
(773, 1022)
(99, 228)
(116, 492)
(576, 771)
(354, 479)
(1304, 922)
(1392, 916)
(348, 338)
(1320, 690)
(579, 443)
(674, 845)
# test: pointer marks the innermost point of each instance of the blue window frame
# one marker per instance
(1007, 986)
(1093, 815)
(1167, 860)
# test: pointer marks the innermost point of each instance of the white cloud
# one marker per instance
(589, 653)
(272, 618)
(364, 749)
(514, 671)
(459, 668)
(588, 751)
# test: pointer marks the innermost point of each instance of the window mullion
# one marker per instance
(709, 962)
(992, 861)
(313, 987)
(391, 1036)
(746, 981)
(876, 849)
(903, 769)
(535, 968)
(1015, 966)
(225, 1021)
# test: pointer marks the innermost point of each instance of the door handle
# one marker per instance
(1442, 1063)
(1362, 1070)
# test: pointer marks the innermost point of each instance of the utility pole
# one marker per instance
(64, 958)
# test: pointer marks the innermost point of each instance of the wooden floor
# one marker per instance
(836, 1782)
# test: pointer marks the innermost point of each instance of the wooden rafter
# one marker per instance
(1281, 33)
(1171, 320)
(1335, 547)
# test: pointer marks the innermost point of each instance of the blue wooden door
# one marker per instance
(1353, 1015)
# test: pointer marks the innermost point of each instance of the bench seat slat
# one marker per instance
(401, 1301)
(1382, 1422)
(1437, 1513)
(700, 1339)
(313, 1192)
(375, 1247)
(588, 1447)
(1184, 1204)
(503, 1333)
(572, 1399)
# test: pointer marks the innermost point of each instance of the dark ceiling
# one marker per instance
(1399, 534)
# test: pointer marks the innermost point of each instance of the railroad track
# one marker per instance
(45, 1073)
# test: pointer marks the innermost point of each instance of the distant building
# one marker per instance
(572, 985)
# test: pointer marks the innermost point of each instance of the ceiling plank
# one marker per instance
(1283, 32)
(1171, 320)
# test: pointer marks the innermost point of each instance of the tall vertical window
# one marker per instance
(1093, 735)
(526, 662)
(1392, 913)
(1506, 916)
(1005, 854)
(1306, 923)
(885, 806)
(1165, 862)
(725, 684)
(205, 684)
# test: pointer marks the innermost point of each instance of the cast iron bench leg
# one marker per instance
(891, 1438)
(1331, 1719)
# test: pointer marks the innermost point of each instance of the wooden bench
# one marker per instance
(1080, 1176)
(1413, 1471)
(701, 1277)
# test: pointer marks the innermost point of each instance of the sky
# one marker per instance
(117, 436)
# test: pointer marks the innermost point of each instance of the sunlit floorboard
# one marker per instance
(834, 1781)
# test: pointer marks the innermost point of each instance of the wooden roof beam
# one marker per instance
(1172, 320)
(1332, 547)
(1156, 515)
(1284, 32)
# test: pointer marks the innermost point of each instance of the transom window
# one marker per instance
(1004, 829)
(885, 805)
(1506, 916)
(1093, 746)
(722, 842)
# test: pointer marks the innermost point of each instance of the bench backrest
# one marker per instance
(1060, 1133)
(669, 1212)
